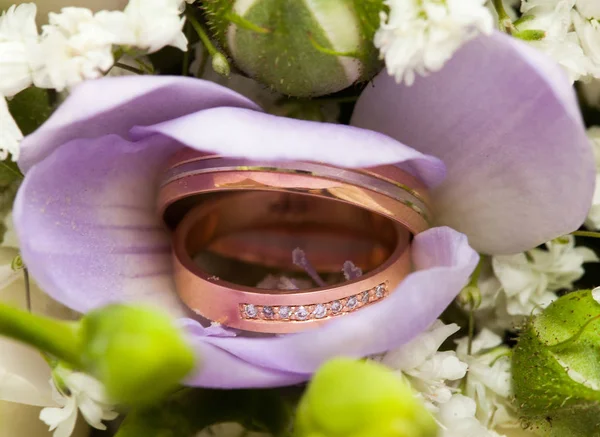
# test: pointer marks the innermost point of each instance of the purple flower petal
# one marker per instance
(113, 105)
(87, 223)
(443, 260)
(505, 121)
(252, 134)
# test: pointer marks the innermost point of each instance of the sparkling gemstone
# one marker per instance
(250, 310)
(352, 302)
(320, 311)
(364, 297)
(301, 313)
(284, 312)
(268, 312)
(379, 291)
(336, 306)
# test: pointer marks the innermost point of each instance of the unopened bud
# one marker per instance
(137, 353)
(299, 48)
(349, 398)
(220, 64)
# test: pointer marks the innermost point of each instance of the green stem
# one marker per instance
(471, 330)
(202, 63)
(589, 234)
(27, 288)
(128, 68)
(474, 280)
(504, 19)
(474, 284)
(212, 50)
(54, 337)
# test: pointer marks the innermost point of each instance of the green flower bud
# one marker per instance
(137, 353)
(299, 48)
(220, 64)
(348, 398)
(556, 368)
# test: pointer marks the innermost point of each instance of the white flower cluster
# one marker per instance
(467, 391)
(420, 36)
(76, 392)
(517, 286)
(75, 45)
(571, 33)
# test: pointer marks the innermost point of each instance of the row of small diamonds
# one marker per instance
(316, 311)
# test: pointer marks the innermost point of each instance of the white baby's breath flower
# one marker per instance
(488, 381)
(149, 25)
(560, 42)
(420, 36)
(457, 419)
(593, 219)
(76, 391)
(527, 282)
(426, 369)
(10, 134)
(18, 37)
(588, 31)
(74, 47)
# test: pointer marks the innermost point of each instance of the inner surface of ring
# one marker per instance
(258, 231)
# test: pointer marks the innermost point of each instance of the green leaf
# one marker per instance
(9, 172)
(30, 108)
(556, 368)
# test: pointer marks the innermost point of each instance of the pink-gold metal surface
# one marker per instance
(283, 311)
(386, 190)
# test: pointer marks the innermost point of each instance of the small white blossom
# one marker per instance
(76, 391)
(588, 31)
(10, 134)
(488, 380)
(596, 294)
(18, 37)
(427, 369)
(457, 419)
(420, 36)
(74, 47)
(147, 24)
(527, 282)
(560, 42)
(593, 218)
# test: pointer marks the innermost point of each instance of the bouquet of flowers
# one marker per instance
(285, 218)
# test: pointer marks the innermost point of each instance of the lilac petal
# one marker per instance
(113, 105)
(88, 227)
(255, 135)
(505, 121)
(219, 369)
(444, 262)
